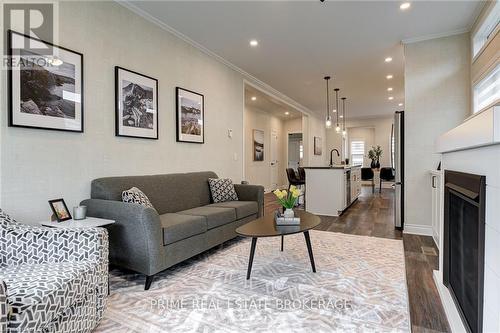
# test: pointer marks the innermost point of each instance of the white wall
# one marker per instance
(382, 136)
(259, 172)
(437, 99)
(38, 165)
(311, 127)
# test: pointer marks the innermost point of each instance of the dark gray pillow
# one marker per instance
(222, 189)
(134, 195)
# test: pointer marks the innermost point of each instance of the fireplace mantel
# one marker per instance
(474, 147)
(481, 129)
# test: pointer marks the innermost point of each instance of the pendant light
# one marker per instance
(344, 132)
(328, 121)
(337, 129)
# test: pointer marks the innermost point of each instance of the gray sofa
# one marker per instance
(184, 222)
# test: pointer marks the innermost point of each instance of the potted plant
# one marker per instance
(374, 155)
(288, 199)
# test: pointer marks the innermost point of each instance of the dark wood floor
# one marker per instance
(373, 215)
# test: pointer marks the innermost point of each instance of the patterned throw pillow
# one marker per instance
(134, 195)
(222, 189)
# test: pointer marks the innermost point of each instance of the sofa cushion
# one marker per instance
(177, 227)
(38, 294)
(222, 189)
(135, 195)
(215, 216)
(168, 193)
(243, 208)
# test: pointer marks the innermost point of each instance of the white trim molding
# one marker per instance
(435, 36)
(450, 309)
(416, 229)
(249, 78)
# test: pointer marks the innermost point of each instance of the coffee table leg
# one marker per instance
(250, 260)
(282, 240)
(310, 250)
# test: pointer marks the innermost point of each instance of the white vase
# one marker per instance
(289, 213)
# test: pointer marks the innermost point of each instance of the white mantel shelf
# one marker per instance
(481, 129)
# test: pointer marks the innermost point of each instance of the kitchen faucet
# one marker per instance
(331, 155)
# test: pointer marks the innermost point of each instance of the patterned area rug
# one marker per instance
(360, 286)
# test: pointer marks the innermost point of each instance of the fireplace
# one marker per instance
(463, 252)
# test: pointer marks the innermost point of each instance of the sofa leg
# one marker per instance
(149, 280)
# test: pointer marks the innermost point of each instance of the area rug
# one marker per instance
(359, 286)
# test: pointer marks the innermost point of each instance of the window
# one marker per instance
(486, 29)
(357, 152)
(487, 91)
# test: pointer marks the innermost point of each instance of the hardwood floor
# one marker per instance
(373, 215)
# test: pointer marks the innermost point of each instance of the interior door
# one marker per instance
(274, 159)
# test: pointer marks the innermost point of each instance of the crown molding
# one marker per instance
(435, 36)
(248, 78)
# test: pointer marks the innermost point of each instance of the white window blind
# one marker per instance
(357, 152)
(486, 29)
(487, 91)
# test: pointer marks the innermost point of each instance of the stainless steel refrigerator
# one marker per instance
(398, 164)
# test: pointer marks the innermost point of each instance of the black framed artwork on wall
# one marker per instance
(136, 104)
(45, 88)
(190, 116)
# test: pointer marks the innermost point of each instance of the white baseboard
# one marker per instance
(450, 309)
(416, 229)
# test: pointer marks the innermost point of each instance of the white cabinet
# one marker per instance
(355, 183)
(435, 184)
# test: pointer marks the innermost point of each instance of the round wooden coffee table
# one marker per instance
(266, 227)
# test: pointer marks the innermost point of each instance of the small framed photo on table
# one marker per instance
(60, 210)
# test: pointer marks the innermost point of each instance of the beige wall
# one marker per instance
(381, 127)
(311, 127)
(437, 81)
(38, 165)
(259, 172)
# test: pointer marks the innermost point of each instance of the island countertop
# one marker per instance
(334, 167)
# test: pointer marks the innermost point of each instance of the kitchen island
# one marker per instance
(330, 190)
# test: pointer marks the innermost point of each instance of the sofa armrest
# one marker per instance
(247, 192)
(4, 311)
(135, 239)
(35, 245)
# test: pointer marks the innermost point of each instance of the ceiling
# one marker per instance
(302, 41)
(269, 104)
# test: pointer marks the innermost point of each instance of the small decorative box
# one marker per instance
(279, 219)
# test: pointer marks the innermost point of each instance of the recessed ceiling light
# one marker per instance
(287, 113)
(334, 110)
(341, 116)
(388, 59)
(388, 77)
(254, 98)
(391, 98)
(254, 42)
(389, 89)
(400, 104)
(405, 6)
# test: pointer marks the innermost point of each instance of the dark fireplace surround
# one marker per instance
(463, 253)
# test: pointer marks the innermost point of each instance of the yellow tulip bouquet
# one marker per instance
(288, 199)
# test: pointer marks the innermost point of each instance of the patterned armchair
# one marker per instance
(51, 280)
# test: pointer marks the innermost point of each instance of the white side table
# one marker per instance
(89, 222)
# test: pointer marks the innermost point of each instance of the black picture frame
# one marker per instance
(11, 118)
(121, 130)
(60, 218)
(181, 137)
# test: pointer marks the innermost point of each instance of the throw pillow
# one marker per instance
(134, 195)
(222, 189)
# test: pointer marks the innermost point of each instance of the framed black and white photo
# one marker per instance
(60, 210)
(190, 116)
(45, 90)
(317, 146)
(258, 145)
(136, 105)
